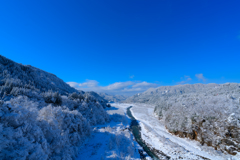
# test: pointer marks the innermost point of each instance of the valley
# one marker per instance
(43, 117)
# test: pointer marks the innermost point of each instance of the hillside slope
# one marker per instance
(208, 113)
(42, 117)
(23, 75)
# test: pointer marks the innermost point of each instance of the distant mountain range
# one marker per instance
(113, 98)
(153, 95)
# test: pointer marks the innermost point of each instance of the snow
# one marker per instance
(155, 134)
(202, 112)
(112, 140)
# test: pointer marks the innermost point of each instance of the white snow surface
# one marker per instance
(155, 134)
(112, 140)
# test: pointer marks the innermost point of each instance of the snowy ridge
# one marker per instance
(155, 134)
(42, 117)
(113, 98)
(153, 95)
(26, 75)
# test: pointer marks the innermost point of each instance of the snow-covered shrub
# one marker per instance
(64, 129)
(93, 112)
(49, 133)
(71, 104)
(20, 135)
(76, 96)
(121, 146)
(33, 129)
(90, 108)
(93, 96)
(73, 96)
(52, 97)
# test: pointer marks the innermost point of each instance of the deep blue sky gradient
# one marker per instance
(110, 40)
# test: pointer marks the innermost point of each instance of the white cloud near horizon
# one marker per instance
(200, 77)
(119, 88)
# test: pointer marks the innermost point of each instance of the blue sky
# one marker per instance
(127, 46)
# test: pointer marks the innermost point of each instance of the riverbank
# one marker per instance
(155, 134)
(136, 131)
(112, 140)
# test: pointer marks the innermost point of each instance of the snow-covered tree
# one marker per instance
(210, 115)
(40, 115)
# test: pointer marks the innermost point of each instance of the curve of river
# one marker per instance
(136, 130)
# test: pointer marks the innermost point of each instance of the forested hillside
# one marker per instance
(113, 98)
(42, 117)
(208, 113)
(152, 95)
(26, 76)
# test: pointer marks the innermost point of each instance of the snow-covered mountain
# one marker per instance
(113, 98)
(42, 117)
(208, 113)
(26, 75)
(152, 95)
(97, 96)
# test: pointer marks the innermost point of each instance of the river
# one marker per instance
(136, 130)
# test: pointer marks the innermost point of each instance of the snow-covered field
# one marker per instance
(154, 133)
(112, 140)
